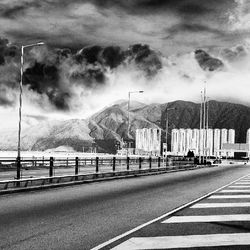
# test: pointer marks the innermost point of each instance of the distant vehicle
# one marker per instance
(217, 161)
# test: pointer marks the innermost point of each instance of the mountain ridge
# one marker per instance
(109, 125)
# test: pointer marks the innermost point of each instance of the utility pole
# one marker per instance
(204, 124)
(207, 132)
(200, 129)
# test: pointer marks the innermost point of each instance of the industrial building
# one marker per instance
(148, 141)
(205, 142)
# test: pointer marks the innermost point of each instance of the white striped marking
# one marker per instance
(208, 218)
(240, 186)
(242, 183)
(235, 191)
(214, 205)
(104, 244)
(188, 241)
(238, 196)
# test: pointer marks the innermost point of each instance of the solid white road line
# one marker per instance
(234, 196)
(208, 218)
(235, 191)
(215, 205)
(188, 241)
(163, 216)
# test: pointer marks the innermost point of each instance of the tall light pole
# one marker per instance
(200, 129)
(167, 128)
(208, 148)
(204, 125)
(20, 107)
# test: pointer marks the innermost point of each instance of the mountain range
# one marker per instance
(110, 125)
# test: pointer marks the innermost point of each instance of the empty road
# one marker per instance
(84, 216)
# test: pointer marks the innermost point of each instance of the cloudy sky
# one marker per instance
(167, 25)
(76, 82)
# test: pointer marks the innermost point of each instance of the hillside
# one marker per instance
(111, 124)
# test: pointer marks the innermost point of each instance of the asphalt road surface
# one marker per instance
(84, 216)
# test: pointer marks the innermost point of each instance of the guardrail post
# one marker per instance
(159, 162)
(76, 166)
(96, 164)
(51, 164)
(140, 162)
(150, 162)
(18, 168)
(114, 160)
(127, 163)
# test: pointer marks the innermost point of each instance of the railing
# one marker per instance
(42, 171)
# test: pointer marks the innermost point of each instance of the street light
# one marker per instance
(20, 107)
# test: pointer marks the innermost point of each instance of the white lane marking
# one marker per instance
(234, 196)
(235, 191)
(242, 183)
(162, 216)
(207, 218)
(214, 205)
(239, 186)
(185, 241)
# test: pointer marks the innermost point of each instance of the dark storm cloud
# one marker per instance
(194, 9)
(56, 73)
(195, 28)
(78, 23)
(207, 62)
(13, 12)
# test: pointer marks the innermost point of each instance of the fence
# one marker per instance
(41, 171)
(43, 167)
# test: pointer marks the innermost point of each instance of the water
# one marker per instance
(46, 154)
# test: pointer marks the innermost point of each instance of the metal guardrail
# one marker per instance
(56, 180)
(82, 169)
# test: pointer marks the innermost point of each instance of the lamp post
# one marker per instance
(200, 141)
(129, 94)
(20, 107)
(168, 109)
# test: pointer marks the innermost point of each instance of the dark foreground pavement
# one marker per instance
(82, 217)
